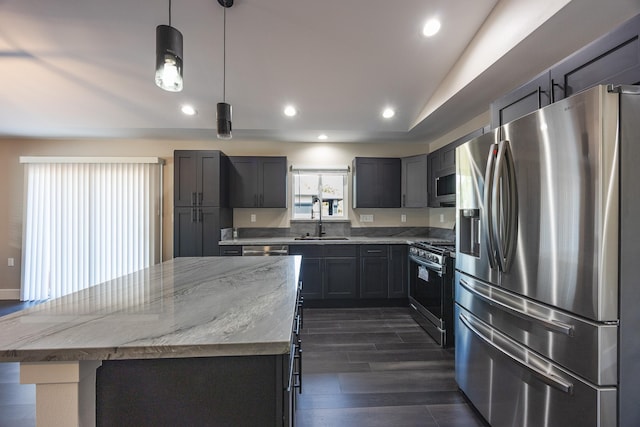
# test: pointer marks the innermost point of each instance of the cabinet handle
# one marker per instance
(199, 215)
(255, 200)
(193, 198)
(261, 200)
(374, 251)
(193, 215)
(200, 198)
(404, 200)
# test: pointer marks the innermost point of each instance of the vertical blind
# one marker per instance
(87, 221)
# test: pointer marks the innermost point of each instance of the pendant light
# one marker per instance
(168, 57)
(223, 110)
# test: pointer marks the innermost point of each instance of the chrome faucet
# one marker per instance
(317, 199)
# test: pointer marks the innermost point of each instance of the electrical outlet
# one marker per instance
(366, 218)
(253, 217)
(441, 217)
(10, 262)
(403, 218)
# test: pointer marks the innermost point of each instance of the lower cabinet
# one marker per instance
(196, 230)
(374, 277)
(328, 271)
(398, 271)
(353, 273)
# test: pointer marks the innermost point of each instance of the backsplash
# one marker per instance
(338, 229)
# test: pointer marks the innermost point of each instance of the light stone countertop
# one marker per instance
(351, 240)
(184, 307)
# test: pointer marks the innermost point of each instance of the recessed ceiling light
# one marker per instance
(188, 110)
(322, 137)
(388, 113)
(431, 27)
(290, 111)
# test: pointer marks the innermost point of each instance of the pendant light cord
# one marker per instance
(224, 53)
(169, 12)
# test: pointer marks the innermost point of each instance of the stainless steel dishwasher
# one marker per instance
(265, 250)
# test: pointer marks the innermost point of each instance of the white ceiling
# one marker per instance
(85, 68)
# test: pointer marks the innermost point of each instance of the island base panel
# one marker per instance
(217, 391)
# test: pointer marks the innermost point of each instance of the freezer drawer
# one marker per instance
(513, 386)
(557, 335)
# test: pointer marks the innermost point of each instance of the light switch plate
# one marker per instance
(10, 262)
(403, 218)
(253, 217)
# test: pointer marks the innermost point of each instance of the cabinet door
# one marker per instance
(611, 59)
(433, 166)
(208, 171)
(389, 183)
(366, 188)
(273, 182)
(185, 177)
(311, 274)
(398, 271)
(187, 240)
(209, 218)
(524, 100)
(340, 277)
(243, 182)
(414, 181)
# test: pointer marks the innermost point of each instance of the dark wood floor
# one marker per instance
(362, 367)
(376, 367)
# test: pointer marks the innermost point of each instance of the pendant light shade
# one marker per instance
(223, 116)
(168, 58)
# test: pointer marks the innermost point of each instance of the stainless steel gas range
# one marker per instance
(431, 279)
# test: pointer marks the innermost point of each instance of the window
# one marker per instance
(87, 221)
(315, 189)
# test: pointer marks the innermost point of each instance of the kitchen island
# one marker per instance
(210, 309)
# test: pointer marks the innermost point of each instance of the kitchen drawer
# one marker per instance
(235, 250)
(340, 250)
(373, 250)
(309, 251)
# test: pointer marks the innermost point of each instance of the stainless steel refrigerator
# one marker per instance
(547, 296)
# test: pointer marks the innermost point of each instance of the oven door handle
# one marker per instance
(437, 268)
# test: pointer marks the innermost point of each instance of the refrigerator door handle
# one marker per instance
(505, 206)
(552, 325)
(540, 370)
(487, 213)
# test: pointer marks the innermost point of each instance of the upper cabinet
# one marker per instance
(258, 182)
(442, 172)
(376, 182)
(414, 181)
(200, 178)
(611, 59)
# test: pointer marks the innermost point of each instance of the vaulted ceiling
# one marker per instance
(85, 68)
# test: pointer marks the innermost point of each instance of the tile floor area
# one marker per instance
(362, 367)
(376, 367)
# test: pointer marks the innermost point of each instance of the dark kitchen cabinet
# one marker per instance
(200, 202)
(258, 182)
(398, 271)
(527, 98)
(611, 59)
(200, 178)
(328, 271)
(376, 182)
(374, 276)
(196, 230)
(414, 181)
(442, 172)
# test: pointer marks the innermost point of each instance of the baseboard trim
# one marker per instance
(9, 294)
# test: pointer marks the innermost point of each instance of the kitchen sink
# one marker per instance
(320, 238)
